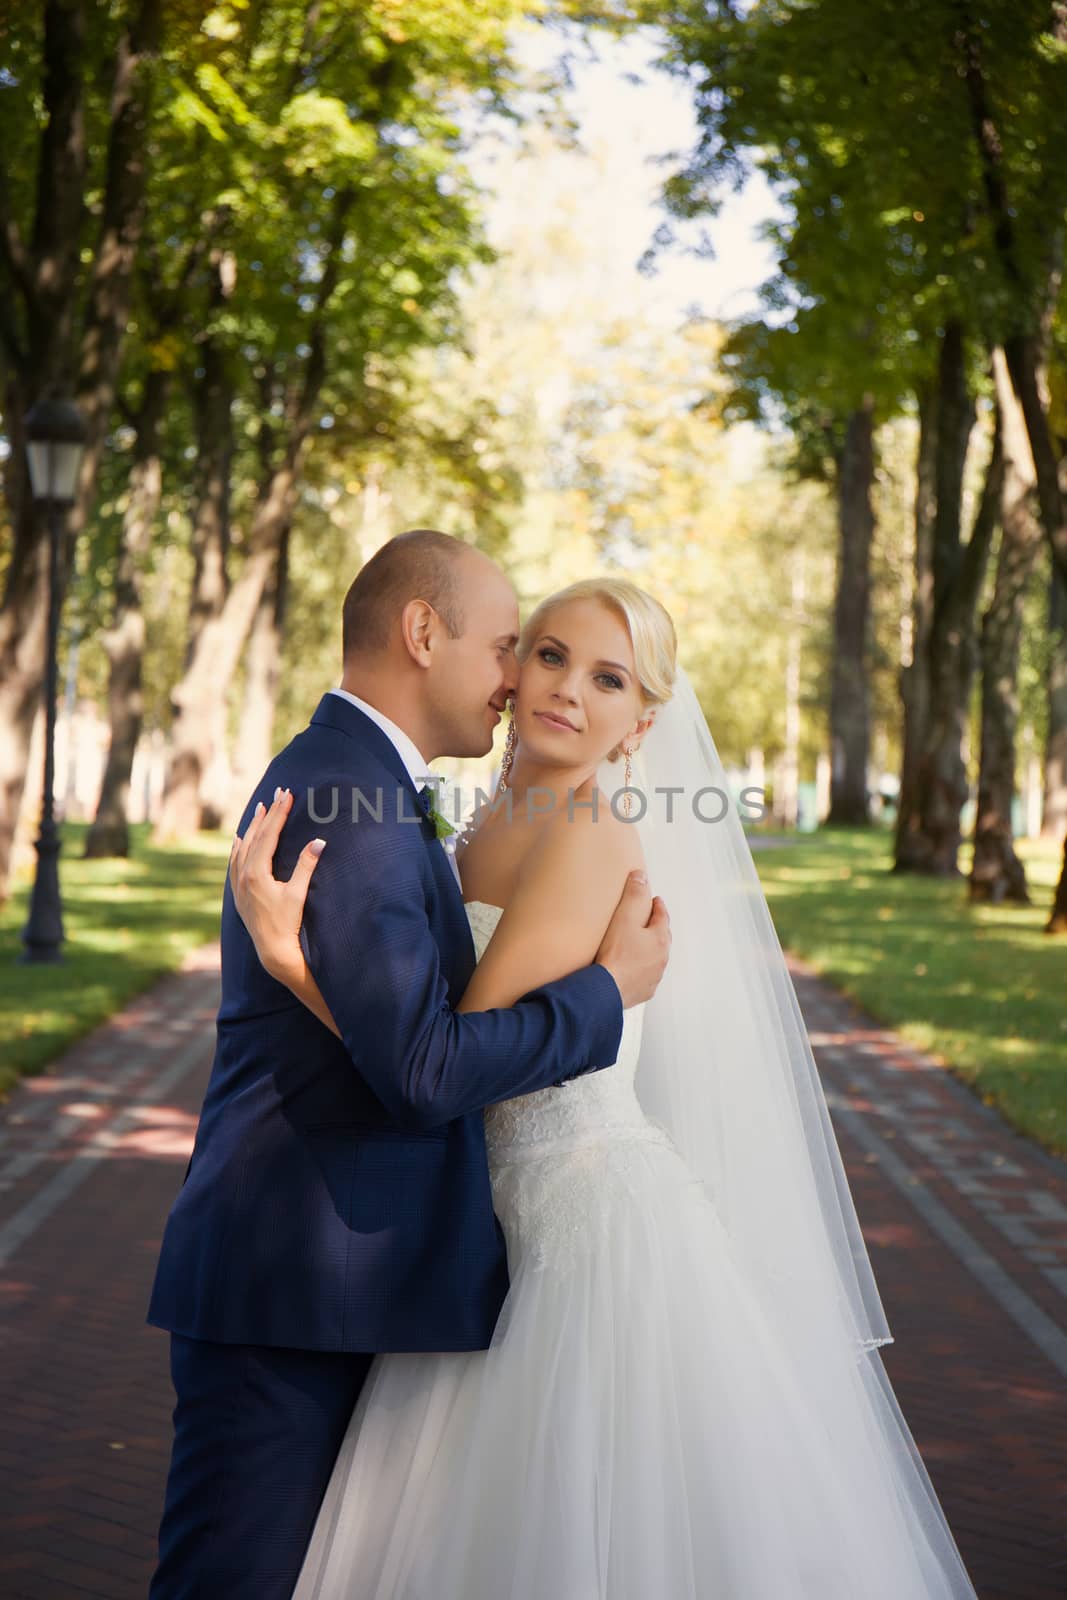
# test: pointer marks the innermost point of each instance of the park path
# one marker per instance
(966, 1224)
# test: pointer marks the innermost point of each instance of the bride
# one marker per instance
(683, 1398)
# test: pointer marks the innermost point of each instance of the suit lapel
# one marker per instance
(334, 712)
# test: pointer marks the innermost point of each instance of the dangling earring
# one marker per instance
(628, 778)
(509, 752)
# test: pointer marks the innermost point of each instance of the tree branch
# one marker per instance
(976, 553)
(315, 365)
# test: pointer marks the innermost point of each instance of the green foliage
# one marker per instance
(309, 220)
(865, 121)
(311, 215)
(317, 155)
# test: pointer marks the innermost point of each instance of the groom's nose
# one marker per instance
(509, 678)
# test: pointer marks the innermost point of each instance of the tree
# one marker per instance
(938, 126)
(306, 319)
(997, 873)
(125, 639)
(73, 113)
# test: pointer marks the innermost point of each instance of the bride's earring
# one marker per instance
(509, 753)
(628, 779)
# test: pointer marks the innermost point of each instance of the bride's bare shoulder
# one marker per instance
(587, 839)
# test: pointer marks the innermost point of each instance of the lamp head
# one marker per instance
(55, 440)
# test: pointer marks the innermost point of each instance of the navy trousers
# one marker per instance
(256, 1432)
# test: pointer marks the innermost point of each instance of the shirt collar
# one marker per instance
(417, 767)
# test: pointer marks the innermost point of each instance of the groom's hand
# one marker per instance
(637, 943)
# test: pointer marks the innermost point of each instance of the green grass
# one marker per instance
(127, 923)
(978, 987)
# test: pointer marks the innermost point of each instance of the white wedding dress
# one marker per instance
(638, 1429)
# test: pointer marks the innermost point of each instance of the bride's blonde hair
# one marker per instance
(649, 625)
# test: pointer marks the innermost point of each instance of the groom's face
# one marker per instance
(475, 673)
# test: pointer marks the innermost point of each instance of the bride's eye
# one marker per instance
(613, 681)
(546, 651)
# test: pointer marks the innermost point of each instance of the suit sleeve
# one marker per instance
(368, 943)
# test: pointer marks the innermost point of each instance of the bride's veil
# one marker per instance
(726, 1066)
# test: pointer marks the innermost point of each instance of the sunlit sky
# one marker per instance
(610, 187)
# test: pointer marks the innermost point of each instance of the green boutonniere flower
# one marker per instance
(427, 796)
(441, 826)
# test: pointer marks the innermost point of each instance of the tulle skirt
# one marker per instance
(639, 1429)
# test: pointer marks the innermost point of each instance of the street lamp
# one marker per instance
(55, 439)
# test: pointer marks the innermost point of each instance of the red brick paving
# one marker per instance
(988, 1410)
(84, 1389)
(84, 1385)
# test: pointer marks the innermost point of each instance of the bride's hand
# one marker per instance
(272, 911)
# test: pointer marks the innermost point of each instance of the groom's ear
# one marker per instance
(417, 628)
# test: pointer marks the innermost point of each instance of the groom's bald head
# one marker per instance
(430, 627)
(419, 565)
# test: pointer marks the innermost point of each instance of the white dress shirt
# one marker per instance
(416, 766)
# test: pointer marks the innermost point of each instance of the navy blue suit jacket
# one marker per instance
(338, 1194)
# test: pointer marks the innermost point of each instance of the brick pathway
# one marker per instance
(966, 1223)
(91, 1156)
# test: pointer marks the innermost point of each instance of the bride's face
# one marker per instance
(578, 695)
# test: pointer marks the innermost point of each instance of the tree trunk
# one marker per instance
(997, 874)
(23, 644)
(41, 285)
(213, 411)
(221, 639)
(1025, 346)
(1024, 357)
(124, 641)
(216, 644)
(931, 842)
(1028, 341)
(1057, 922)
(1056, 753)
(1054, 804)
(199, 720)
(915, 673)
(1024, 353)
(849, 687)
(262, 673)
(953, 651)
(37, 298)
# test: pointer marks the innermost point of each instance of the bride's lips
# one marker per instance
(556, 722)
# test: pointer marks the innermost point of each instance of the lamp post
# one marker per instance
(55, 439)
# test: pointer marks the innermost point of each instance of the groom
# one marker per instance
(337, 1201)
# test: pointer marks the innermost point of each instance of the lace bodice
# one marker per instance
(560, 1158)
(594, 1106)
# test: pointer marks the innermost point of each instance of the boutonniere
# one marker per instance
(441, 826)
(436, 802)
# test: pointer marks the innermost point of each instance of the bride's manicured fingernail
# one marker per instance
(277, 791)
(260, 808)
(317, 846)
